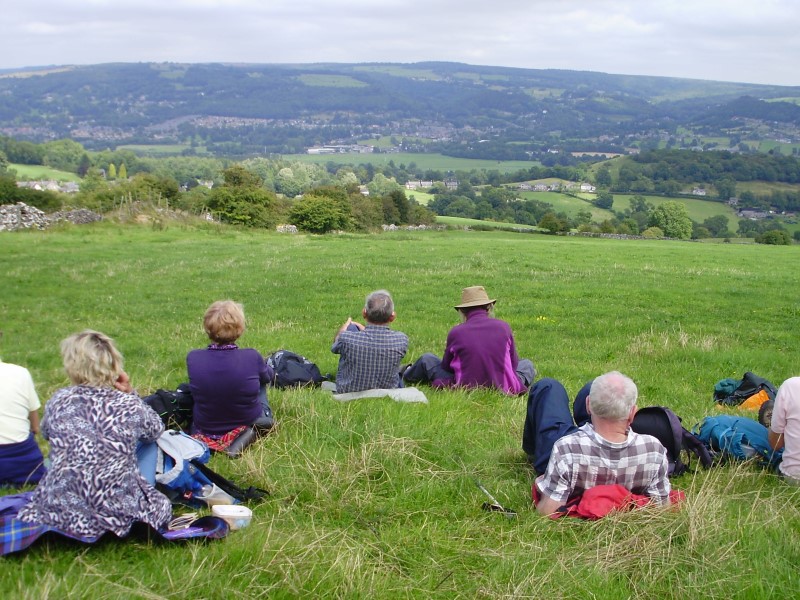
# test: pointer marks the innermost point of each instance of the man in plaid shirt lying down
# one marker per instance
(605, 451)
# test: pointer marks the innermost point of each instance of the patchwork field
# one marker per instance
(377, 499)
(423, 161)
(35, 172)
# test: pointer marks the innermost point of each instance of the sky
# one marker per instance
(750, 41)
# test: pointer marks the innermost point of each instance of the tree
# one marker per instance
(112, 171)
(461, 207)
(631, 225)
(726, 188)
(400, 202)
(775, 237)
(84, 165)
(63, 154)
(604, 200)
(673, 219)
(242, 200)
(584, 217)
(653, 233)
(382, 185)
(717, 226)
(239, 177)
(318, 214)
(123, 171)
(552, 223)
(603, 176)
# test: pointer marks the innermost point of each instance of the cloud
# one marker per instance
(747, 40)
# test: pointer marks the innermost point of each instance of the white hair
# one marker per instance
(612, 396)
(379, 307)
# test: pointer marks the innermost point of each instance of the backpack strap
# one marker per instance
(694, 445)
(243, 495)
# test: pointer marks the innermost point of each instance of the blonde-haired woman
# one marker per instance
(93, 484)
(228, 383)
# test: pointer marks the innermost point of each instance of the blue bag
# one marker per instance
(739, 438)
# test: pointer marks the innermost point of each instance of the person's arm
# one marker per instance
(33, 417)
(344, 327)
(448, 355)
(152, 425)
(513, 350)
(777, 424)
(546, 506)
(659, 488)
(555, 481)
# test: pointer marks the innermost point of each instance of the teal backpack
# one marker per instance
(738, 438)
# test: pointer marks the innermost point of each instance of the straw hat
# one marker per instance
(474, 296)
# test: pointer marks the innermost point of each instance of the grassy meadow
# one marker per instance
(34, 172)
(377, 499)
(424, 161)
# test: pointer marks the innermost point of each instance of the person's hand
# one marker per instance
(123, 383)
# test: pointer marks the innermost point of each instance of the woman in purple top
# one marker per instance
(480, 352)
(228, 383)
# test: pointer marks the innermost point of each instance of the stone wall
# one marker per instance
(21, 216)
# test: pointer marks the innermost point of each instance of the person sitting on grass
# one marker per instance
(228, 383)
(21, 460)
(93, 484)
(784, 429)
(480, 352)
(602, 452)
(370, 355)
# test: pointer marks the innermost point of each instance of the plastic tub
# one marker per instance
(236, 515)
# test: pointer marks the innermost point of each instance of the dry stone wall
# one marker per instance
(21, 216)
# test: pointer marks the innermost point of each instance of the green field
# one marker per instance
(319, 80)
(160, 149)
(422, 197)
(423, 161)
(376, 499)
(699, 210)
(465, 222)
(37, 172)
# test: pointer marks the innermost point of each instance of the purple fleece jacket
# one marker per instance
(481, 353)
(225, 385)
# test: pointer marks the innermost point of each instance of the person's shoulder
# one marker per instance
(504, 324)
(791, 387)
(250, 353)
(399, 334)
(576, 437)
(648, 443)
(11, 369)
(196, 353)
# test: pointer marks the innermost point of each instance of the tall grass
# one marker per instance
(375, 498)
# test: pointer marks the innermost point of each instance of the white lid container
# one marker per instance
(236, 515)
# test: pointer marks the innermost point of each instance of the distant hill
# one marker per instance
(456, 109)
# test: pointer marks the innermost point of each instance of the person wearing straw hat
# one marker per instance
(480, 352)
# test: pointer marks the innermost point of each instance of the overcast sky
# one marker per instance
(753, 41)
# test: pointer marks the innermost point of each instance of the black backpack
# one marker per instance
(292, 369)
(174, 408)
(665, 425)
(750, 385)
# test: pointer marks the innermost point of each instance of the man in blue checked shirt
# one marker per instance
(370, 355)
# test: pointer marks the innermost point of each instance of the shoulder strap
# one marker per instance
(243, 495)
